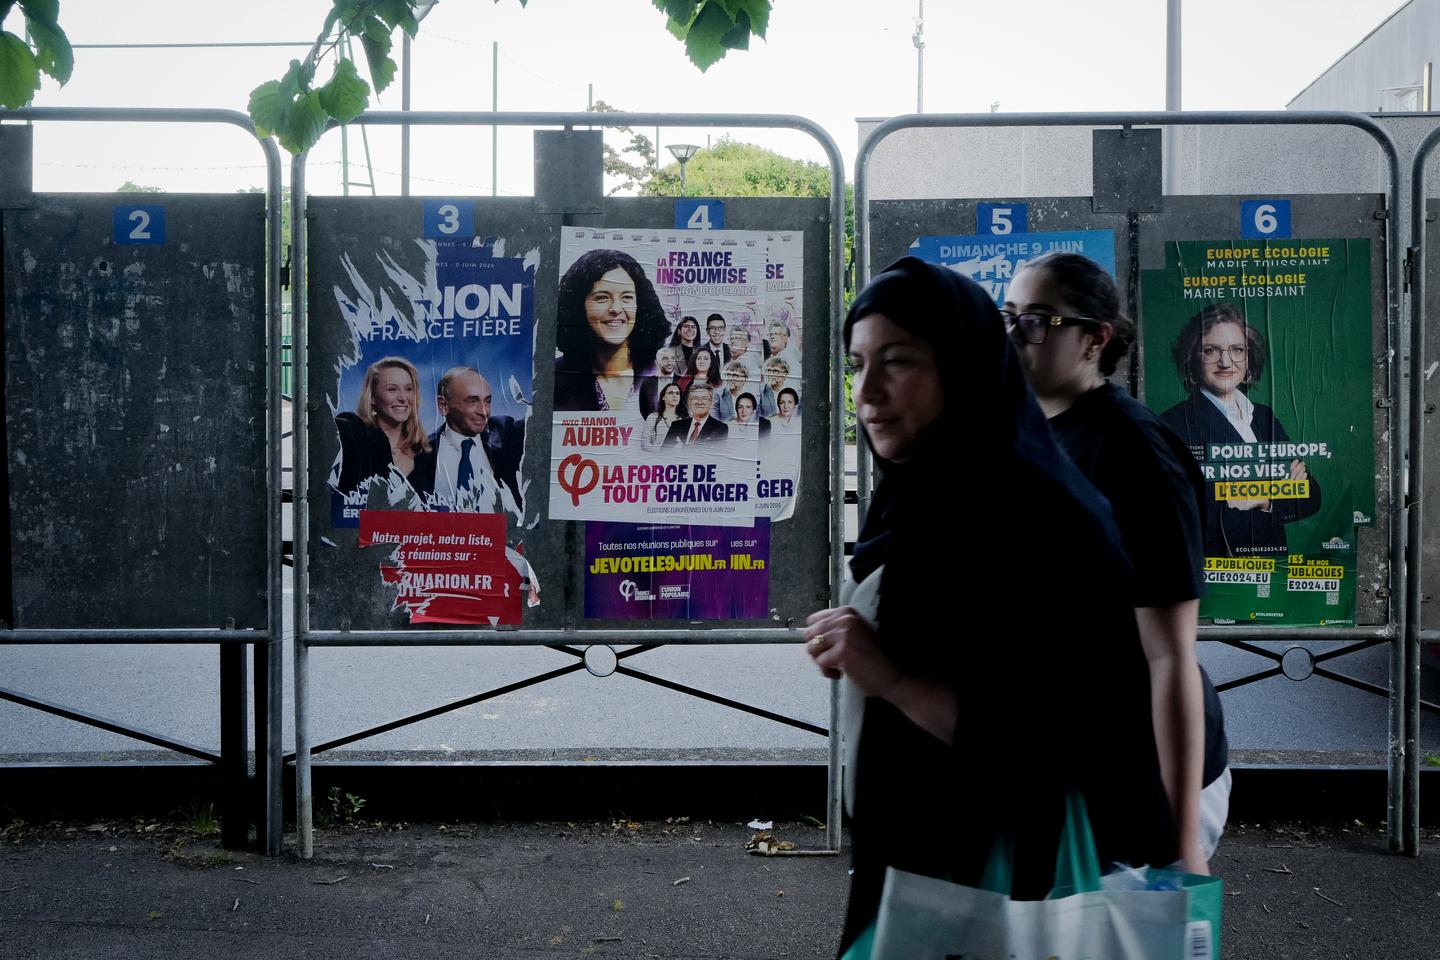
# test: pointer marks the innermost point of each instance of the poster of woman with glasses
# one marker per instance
(1258, 355)
(1219, 357)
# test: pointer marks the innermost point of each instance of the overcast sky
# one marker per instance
(829, 60)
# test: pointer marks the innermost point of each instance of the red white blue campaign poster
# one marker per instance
(431, 405)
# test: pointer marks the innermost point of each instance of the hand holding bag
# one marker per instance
(922, 918)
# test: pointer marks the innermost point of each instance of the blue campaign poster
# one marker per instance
(992, 260)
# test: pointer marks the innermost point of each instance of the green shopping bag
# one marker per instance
(1147, 897)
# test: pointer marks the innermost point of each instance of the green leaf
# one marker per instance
(290, 83)
(704, 41)
(382, 68)
(269, 107)
(44, 11)
(374, 29)
(52, 49)
(305, 123)
(739, 36)
(398, 13)
(682, 11)
(346, 96)
(19, 74)
(757, 10)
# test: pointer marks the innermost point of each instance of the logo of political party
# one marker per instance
(631, 591)
(1335, 543)
(577, 476)
(675, 591)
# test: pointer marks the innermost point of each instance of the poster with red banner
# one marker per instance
(448, 567)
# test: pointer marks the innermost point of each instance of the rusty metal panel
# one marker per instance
(135, 412)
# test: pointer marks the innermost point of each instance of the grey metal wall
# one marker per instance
(896, 223)
(1391, 55)
(345, 580)
(135, 414)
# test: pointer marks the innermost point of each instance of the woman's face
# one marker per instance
(702, 361)
(786, 403)
(744, 410)
(897, 388)
(393, 395)
(688, 331)
(670, 398)
(610, 307)
(1057, 365)
(1224, 358)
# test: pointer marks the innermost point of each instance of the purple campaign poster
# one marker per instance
(646, 571)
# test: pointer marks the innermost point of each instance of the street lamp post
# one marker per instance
(682, 153)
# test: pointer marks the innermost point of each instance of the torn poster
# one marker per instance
(449, 568)
(432, 402)
(991, 260)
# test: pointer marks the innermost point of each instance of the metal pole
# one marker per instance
(1171, 148)
(919, 40)
(405, 106)
(494, 107)
(1417, 260)
(234, 745)
(269, 762)
(300, 520)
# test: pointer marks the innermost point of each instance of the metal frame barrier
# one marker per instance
(269, 678)
(559, 639)
(1415, 635)
(1401, 630)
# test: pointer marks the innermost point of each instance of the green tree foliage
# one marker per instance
(130, 186)
(297, 107)
(47, 51)
(633, 173)
(731, 168)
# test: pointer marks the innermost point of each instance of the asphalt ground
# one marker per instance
(637, 889)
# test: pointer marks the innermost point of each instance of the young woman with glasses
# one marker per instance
(1220, 358)
(1063, 313)
(991, 663)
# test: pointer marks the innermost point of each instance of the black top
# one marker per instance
(1153, 485)
(364, 451)
(1004, 580)
(1230, 532)
(1157, 492)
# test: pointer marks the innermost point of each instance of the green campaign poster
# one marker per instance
(1258, 354)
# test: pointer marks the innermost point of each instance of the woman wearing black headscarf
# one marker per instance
(989, 648)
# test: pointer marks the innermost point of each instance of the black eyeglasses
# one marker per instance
(1035, 327)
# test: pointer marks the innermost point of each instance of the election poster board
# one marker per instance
(678, 410)
(991, 260)
(1258, 354)
(431, 401)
